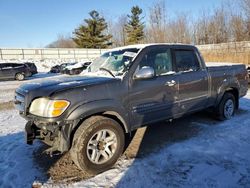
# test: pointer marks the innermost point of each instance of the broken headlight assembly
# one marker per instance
(45, 107)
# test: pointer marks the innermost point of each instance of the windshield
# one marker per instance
(117, 62)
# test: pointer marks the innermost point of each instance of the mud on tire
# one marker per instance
(93, 136)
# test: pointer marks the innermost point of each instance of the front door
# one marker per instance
(156, 98)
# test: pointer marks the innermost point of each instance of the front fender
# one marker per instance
(107, 106)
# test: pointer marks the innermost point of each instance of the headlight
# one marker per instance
(48, 108)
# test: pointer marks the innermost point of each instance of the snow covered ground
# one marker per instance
(195, 151)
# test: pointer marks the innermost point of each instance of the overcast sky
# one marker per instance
(36, 23)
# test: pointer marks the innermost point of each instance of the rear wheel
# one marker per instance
(19, 76)
(225, 110)
(97, 144)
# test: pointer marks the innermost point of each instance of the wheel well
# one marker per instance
(235, 92)
(110, 114)
(115, 116)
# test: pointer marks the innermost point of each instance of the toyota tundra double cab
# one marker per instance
(122, 90)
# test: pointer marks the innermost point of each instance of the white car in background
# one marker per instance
(76, 68)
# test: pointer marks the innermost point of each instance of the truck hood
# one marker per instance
(48, 87)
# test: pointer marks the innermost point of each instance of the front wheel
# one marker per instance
(97, 144)
(225, 110)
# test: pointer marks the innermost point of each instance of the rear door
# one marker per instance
(154, 99)
(192, 79)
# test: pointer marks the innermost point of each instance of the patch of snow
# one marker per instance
(77, 65)
(212, 64)
(217, 156)
(17, 168)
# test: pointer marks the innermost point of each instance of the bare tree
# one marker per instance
(238, 28)
(156, 31)
(245, 4)
(118, 31)
(62, 42)
(179, 29)
(218, 26)
(201, 33)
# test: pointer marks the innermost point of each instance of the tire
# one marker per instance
(86, 146)
(226, 108)
(19, 76)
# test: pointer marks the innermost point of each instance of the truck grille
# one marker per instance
(20, 102)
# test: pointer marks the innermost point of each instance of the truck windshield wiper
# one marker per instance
(102, 68)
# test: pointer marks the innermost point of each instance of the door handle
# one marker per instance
(170, 83)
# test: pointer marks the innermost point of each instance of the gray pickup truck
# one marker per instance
(122, 90)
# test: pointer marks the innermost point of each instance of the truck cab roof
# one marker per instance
(141, 46)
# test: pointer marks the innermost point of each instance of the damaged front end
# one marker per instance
(56, 135)
(44, 120)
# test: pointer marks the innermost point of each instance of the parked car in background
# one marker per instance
(76, 68)
(55, 69)
(15, 71)
(70, 68)
(32, 68)
(60, 68)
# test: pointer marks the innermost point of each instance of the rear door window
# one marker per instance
(7, 66)
(186, 61)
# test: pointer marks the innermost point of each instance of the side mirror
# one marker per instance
(144, 73)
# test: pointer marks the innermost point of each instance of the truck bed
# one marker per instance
(224, 64)
(222, 72)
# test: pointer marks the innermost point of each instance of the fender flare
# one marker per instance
(225, 86)
(106, 107)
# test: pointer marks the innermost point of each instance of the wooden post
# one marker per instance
(58, 53)
(23, 53)
(41, 54)
(1, 53)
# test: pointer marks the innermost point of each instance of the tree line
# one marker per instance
(230, 22)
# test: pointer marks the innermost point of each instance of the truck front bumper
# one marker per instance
(30, 132)
(56, 135)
